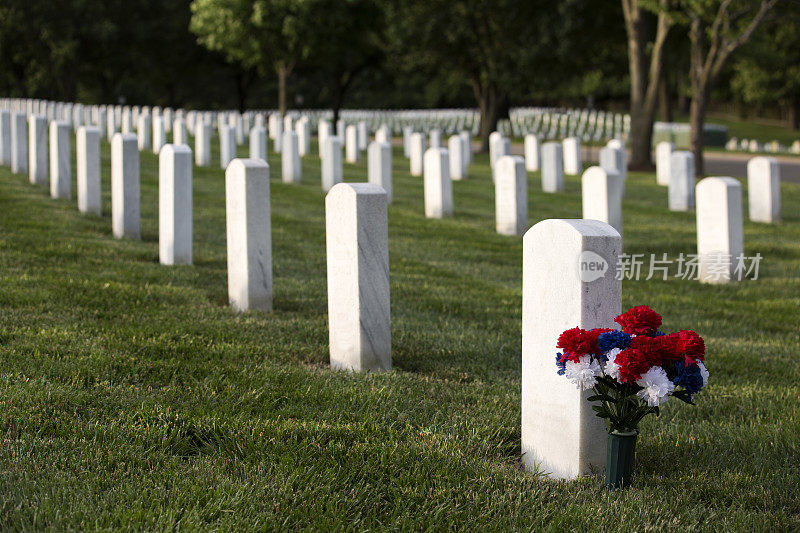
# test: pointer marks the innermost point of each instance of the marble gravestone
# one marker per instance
(143, 131)
(664, 151)
(511, 196)
(379, 166)
(258, 143)
(552, 167)
(457, 162)
(466, 145)
(291, 171)
(202, 144)
(87, 149)
(159, 134)
(601, 195)
(175, 205)
(37, 150)
(416, 153)
(352, 152)
(572, 156)
(564, 285)
(681, 181)
(227, 145)
(249, 235)
(720, 235)
(331, 162)
(179, 135)
(358, 277)
(435, 137)
(125, 186)
(438, 190)
(764, 189)
(19, 143)
(60, 156)
(531, 152)
(5, 137)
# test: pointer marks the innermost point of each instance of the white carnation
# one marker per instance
(583, 373)
(657, 386)
(703, 372)
(612, 368)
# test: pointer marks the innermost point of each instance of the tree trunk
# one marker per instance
(241, 91)
(683, 102)
(664, 101)
(488, 102)
(697, 119)
(283, 73)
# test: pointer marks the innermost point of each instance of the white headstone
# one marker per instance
(438, 188)
(111, 126)
(331, 162)
(258, 143)
(303, 130)
(37, 150)
(87, 149)
(159, 134)
(435, 138)
(602, 196)
(358, 277)
(511, 196)
(5, 137)
(353, 154)
(175, 205)
(363, 135)
(764, 189)
(720, 240)
(531, 152)
(278, 138)
(247, 212)
(125, 186)
(664, 151)
(291, 171)
(179, 135)
(552, 167)
(143, 132)
(466, 145)
(572, 156)
(407, 131)
(323, 131)
(681, 181)
(379, 166)
(416, 152)
(561, 436)
(227, 145)
(495, 146)
(202, 144)
(457, 164)
(60, 156)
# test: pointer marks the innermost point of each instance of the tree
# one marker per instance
(645, 74)
(258, 34)
(764, 77)
(492, 44)
(717, 28)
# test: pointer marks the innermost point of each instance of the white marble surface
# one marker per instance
(143, 132)
(457, 163)
(179, 135)
(561, 436)
(379, 166)
(511, 196)
(37, 151)
(357, 245)
(495, 148)
(437, 185)
(352, 153)
(572, 156)
(125, 198)
(466, 145)
(363, 136)
(532, 152)
(5, 137)
(60, 157)
(303, 131)
(764, 189)
(681, 181)
(416, 147)
(111, 126)
(175, 205)
(159, 134)
(291, 170)
(331, 162)
(435, 138)
(664, 151)
(227, 145)
(202, 144)
(720, 235)
(249, 233)
(87, 149)
(19, 143)
(323, 132)
(258, 143)
(601, 196)
(552, 167)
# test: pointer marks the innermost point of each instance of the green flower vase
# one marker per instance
(620, 452)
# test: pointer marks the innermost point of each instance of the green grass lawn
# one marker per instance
(132, 397)
(763, 132)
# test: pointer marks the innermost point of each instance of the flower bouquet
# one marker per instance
(632, 372)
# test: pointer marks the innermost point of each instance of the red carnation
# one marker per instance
(574, 343)
(639, 320)
(671, 347)
(633, 364)
(693, 346)
(650, 347)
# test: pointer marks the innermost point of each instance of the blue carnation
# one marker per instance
(562, 367)
(657, 334)
(688, 377)
(613, 339)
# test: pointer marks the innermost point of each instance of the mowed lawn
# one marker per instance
(132, 397)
